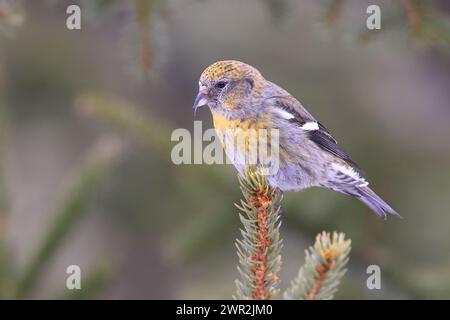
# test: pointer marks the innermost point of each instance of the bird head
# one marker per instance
(228, 87)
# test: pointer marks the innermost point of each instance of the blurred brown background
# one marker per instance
(86, 117)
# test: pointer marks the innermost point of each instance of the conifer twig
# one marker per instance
(324, 267)
(414, 16)
(333, 11)
(259, 250)
(143, 13)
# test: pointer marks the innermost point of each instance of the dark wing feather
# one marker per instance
(324, 140)
(291, 105)
(321, 137)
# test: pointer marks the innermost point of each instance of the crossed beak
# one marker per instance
(201, 99)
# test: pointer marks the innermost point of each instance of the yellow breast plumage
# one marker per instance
(242, 138)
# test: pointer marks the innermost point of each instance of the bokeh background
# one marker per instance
(86, 116)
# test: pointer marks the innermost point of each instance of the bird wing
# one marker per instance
(293, 111)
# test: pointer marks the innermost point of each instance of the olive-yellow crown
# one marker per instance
(229, 70)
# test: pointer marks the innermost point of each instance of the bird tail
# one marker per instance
(374, 202)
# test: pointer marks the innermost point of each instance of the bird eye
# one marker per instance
(221, 84)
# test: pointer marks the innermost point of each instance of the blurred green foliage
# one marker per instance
(96, 169)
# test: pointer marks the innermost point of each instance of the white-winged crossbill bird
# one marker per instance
(241, 99)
